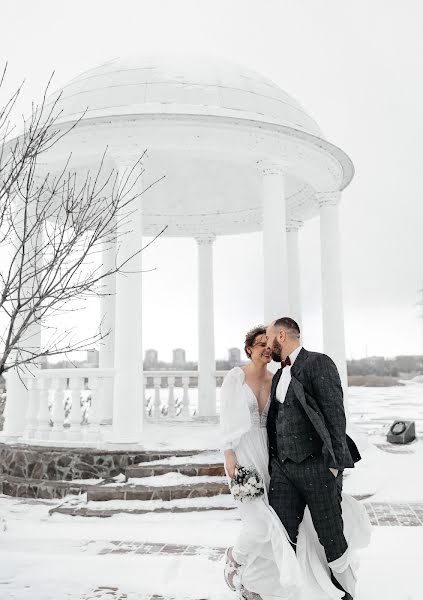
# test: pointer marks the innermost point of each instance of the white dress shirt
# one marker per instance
(285, 379)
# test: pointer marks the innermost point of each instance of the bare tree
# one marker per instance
(52, 229)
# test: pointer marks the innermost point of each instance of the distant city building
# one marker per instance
(151, 360)
(92, 357)
(179, 357)
(234, 357)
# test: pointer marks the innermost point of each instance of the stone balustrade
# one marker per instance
(173, 394)
(66, 405)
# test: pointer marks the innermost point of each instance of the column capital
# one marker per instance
(331, 198)
(271, 167)
(205, 239)
(293, 225)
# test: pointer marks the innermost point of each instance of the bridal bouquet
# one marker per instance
(247, 484)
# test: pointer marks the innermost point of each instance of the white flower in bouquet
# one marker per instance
(247, 484)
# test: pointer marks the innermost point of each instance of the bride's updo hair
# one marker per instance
(250, 338)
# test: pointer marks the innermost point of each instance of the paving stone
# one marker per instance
(212, 553)
(394, 514)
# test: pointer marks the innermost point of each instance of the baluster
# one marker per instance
(58, 416)
(44, 416)
(67, 407)
(33, 408)
(146, 400)
(185, 397)
(96, 390)
(86, 404)
(171, 398)
(157, 403)
(75, 386)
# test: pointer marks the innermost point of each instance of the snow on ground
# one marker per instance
(372, 410)
(57, 557)
(389, 477)
(174, 479)
(196, 459)
(222, 500)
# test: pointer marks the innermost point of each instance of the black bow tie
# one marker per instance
(286, 362)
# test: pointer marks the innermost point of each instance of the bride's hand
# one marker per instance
(230, 463)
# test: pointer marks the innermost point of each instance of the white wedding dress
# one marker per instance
(269, 565)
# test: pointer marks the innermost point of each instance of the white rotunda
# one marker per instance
(239, 155)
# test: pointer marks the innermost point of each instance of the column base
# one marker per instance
(123, 439)
(199, 419)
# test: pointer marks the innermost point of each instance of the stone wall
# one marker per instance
(66, 464)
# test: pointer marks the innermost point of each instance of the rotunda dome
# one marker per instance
(179, 84)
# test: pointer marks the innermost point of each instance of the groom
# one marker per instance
(307, 441)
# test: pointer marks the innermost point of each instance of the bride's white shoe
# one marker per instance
(231, 570)
(245, 594)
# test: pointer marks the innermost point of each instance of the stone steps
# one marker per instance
(190, 469)
(131, 491)
(66, 464)
(86, 476)
(90, 511)
(78, 506)
(40, 488)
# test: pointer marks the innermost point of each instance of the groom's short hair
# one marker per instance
(289, 325)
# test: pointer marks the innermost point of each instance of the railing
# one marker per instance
(66, 404)
(173, 395)
(71, 405)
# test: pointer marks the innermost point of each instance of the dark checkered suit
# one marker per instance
(307, 437)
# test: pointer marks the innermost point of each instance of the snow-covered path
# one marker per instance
(72, 558)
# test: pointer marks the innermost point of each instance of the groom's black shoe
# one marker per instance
(336, 583)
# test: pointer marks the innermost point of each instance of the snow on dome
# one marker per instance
(180, 84)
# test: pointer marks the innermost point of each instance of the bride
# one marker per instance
(262, 562)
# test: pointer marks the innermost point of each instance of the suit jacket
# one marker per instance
(312, 418)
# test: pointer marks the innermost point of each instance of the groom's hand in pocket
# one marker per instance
(334, 472)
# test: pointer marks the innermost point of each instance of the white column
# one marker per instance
(332, 301)
(17, 395)
(16, 409)
(108, 317)
(128, 401)
(276, 303)
(294, 285)
(206, 353)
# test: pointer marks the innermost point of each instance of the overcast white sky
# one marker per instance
(356, 66)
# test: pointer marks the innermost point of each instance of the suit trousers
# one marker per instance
(293, 486)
